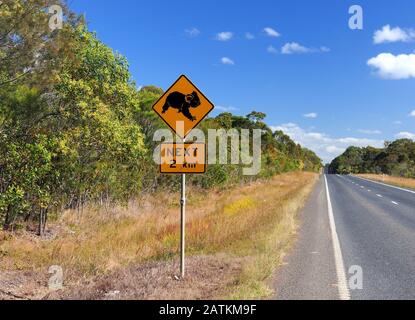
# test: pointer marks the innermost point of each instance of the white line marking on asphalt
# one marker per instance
(395, 203)
(384, 184)
(344, 293)
(362, 187)
(369, 190)
(379, 195)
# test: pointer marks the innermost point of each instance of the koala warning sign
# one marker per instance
(183, 158)
(183, 106)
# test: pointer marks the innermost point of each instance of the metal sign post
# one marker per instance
(183, 226)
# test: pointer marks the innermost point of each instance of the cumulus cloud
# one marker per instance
(311, 115)
(249, 36)
(335, 150)
(271, 32)
(394, 67)
(406, 135)
(224, 36)
(412, 114)
(192, 32)
(367, 131)
(324, 145)
(294, 47)
(386, 34)
(226, 109)
(227, 61)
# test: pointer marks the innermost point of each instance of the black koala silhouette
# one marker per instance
(182, 102)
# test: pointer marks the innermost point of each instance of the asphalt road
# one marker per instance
(356, 241)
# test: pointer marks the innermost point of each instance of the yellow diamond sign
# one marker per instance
(183, 106)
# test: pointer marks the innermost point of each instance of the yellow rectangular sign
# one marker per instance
(189, 158)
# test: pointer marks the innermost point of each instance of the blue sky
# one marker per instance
(298, 61)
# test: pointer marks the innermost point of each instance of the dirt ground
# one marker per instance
(207, 277)
(23, 285)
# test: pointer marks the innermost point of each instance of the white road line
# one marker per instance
(369, 190)
(379, 195)
(344, 293)
(395, 203)
(384, 184)
(362, 187)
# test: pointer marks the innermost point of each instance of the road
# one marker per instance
(356, 241)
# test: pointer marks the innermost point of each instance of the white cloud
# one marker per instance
(366, 131)
(294, 47)
(227, 61)
(311, 115)
(393, 67)
(192, 32)
(393, 35)
(324, 145)
(272, 49)
(226, 109)
(272, 32)
(397, 122)
(249, 36)
(406, 135)
(412, 114)
(224, 36)
(335, 150)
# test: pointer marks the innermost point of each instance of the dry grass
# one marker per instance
(396, 181)
(252, 224)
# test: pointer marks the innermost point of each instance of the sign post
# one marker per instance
(183, 226)
(183, 103)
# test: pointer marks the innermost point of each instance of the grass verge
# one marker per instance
(396, 181)
(251, 225)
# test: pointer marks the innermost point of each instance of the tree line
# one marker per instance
(396, 158)
(74, 128)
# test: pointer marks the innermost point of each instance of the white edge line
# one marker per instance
(384, 184)
(338, 257)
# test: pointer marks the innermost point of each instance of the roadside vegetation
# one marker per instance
(242, 233)
(396, 159)
(79, 188)
(396, 181)
(75, 130)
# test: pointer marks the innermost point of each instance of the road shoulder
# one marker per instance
(309, 272)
